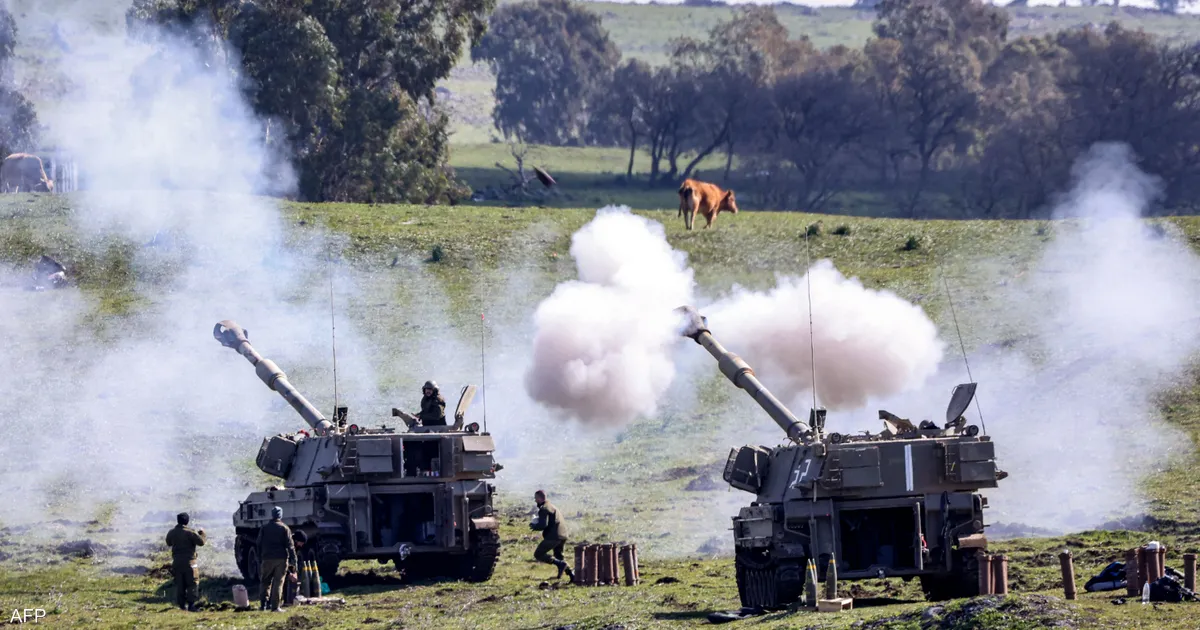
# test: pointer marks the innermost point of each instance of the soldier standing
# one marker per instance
(433, 406)
(554, 535)
(292, 588)
(183, 542)
(278, 554)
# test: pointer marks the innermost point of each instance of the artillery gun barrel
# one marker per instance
(739, 372)
(233, 336)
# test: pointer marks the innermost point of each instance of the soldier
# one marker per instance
(433, 406)
(292, 588)
(278, 554)
(554, 535)
(183, 542)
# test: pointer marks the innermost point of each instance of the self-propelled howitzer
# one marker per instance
(419, 498)
(900, 503)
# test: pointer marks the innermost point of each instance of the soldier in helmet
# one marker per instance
(183, 542)
(433, 406)
(554, 535)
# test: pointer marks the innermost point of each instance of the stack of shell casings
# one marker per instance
(602, 564)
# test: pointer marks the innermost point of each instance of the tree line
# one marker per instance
(940, 107)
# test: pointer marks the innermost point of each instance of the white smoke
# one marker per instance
(1104, 319)
(144, 411)
(602, 351)
(864, 343)
(604, 346)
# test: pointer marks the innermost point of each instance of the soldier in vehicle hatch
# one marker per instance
(554, 535)
(433, 406)
(183, 542)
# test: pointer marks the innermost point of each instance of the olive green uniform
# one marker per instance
(433, 411)
(554, 535)
(278, 554)
(183, 542)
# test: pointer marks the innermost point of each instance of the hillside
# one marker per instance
(618, 484)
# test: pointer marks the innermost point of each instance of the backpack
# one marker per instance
(1109, 579)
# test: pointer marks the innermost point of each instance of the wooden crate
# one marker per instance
(835, 605)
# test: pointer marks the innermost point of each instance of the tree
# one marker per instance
(20, 128)
(620, 116)
(931, 78)
(553, 60)
(819, 116)
(740, 58)
(345, 79)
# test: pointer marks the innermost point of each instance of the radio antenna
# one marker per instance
(333, 335)
(962, 347)
(812, 351)
(483, 366)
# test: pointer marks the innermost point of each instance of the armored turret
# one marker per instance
(903, 502)
(420, 498)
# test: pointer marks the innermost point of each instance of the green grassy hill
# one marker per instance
(623, 485)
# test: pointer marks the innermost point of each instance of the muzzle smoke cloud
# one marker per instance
(602, 351)
(864, 343)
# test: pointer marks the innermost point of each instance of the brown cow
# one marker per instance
(24, 172)
(707, 199)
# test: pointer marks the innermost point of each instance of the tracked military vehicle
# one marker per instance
(418, 497)
(900, 503)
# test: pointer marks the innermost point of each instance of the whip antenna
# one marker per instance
(812, 351)
(333, 335)
(963, 348)
(483, 366)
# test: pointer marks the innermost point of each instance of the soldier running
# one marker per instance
(554, 535)
(433, 406)
(278, 554)
(183, 542)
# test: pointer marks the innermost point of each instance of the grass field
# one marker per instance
(625, 484)
(417, 278)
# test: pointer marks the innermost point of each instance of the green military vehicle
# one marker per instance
(900, 503)
(419, 498)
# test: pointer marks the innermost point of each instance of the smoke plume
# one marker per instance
(141, 411)
(864, 343)
(1102, 320)
(602, 351)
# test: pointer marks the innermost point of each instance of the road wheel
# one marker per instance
(961, 581)
(479, 563)
(767, 583)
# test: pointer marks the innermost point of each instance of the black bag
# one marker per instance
(1166, 589)
(1110, 579)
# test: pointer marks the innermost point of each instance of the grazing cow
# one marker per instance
(707, 199)
(24, 172)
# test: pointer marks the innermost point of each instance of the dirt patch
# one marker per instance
(683, 472)
(296, 622)
(984, 612)
(666, 580)
(131, 570)
(703, 483)
(82, 549)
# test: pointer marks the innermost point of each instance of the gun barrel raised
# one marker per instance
(233, 336)
(739, 372)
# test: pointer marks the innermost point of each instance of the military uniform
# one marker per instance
(433, 410)
(183, 542)
(278, 554)
(554, 537)
(304, 554)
